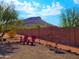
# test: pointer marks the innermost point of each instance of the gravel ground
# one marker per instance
(37, 52)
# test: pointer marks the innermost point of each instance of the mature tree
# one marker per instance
(70, 18)
(8, 15)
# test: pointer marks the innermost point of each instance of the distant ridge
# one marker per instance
(34, 21)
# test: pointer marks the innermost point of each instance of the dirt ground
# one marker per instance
(35, 52)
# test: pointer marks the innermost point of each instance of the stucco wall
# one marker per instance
(68, 36)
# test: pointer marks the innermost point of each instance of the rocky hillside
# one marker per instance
(34, 21)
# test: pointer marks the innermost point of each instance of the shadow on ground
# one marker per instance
(8, 49)
(57, 51)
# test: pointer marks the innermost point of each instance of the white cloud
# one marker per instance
(58, 5)
(55, 9)
(76, 1)
(36, 4)
(36, 9)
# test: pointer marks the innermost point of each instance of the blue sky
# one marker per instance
(48, 10)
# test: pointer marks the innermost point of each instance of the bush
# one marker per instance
(11, 33)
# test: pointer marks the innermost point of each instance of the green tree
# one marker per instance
(8, 15)
(1, 14)
(70, 18)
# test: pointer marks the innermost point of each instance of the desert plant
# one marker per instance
(70, 18)
(8, 15)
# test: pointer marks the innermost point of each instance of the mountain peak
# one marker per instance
(33, 18)
(34, 21)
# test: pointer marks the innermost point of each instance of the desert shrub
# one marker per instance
(11, 33)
